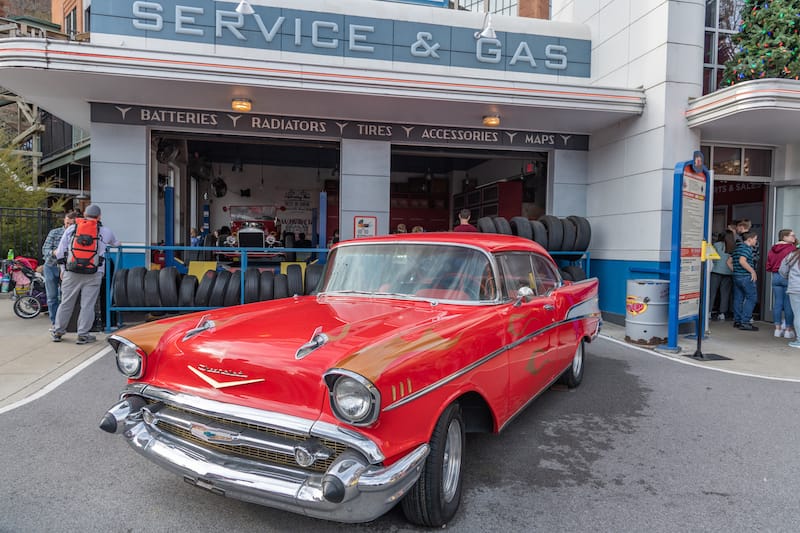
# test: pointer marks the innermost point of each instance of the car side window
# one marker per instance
(517, 272)
(546, 276)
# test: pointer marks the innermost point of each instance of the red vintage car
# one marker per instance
(342, 404)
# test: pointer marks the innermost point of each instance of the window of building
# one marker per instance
(722, 21)
(87, 17)
(500, 7)
(70, 22)
(739, 161)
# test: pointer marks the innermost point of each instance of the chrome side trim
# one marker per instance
(526, 404)
(433, 386)
(590, 307)
(269, 419)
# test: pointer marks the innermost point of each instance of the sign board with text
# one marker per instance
(365, 226)
(690, 208)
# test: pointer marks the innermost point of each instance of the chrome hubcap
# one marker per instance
(451, 465)
(577, 360)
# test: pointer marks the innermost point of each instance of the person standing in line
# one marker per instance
(52, 273)
(84, 286)
(790, 269)
(782, 310)
(195, 238)
(721, 275)
(463, 222)
(743, 265)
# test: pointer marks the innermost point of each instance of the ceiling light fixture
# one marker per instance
(486, 32)
(244, 8)
(243, 105)
(491, 121)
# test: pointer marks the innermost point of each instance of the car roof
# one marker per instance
(491, 242)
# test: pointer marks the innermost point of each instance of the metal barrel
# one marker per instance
(647, 311)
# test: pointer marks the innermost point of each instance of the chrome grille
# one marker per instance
(250, 452)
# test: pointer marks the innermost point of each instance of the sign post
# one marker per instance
(691, 182)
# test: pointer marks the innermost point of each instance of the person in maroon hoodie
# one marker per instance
(782, 314)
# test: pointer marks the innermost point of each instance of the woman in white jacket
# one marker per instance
(790, 269)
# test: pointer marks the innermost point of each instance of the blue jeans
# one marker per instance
(795, 299)
(52, 284)
(781, 301)
(744, 298)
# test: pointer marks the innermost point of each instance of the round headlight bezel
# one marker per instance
(129, 357)
(363, 397)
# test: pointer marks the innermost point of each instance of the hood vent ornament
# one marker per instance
(318, 339)
(204, 324)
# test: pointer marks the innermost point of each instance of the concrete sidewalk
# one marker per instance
(30, 361)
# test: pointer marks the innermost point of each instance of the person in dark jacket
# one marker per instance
(782, 313)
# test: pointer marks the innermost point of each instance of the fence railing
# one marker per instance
(24, 230)
(241, 257)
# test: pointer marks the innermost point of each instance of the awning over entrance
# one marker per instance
(63, 77)
(753, 112)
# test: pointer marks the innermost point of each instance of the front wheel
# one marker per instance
(27, 307)
(435, 498)
(573, 375)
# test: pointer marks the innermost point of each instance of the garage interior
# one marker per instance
(429, 185)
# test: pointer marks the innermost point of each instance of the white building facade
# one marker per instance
(609, 94)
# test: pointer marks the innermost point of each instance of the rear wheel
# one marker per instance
(573, 375)
(27, 307)
(434, 499)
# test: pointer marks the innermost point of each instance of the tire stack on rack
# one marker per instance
(139, 287)
(554, 234)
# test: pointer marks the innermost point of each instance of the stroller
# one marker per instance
(31, 297)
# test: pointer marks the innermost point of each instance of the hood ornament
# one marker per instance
(203, 324)
(318, 339)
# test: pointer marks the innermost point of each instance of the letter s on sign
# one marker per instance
(140, 12)
(551, 52)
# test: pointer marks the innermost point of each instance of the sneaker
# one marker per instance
(789, 334)
(748, 327)
(795, 344)
(779, 332)
(85, 339)
(737, 324)
(56, 336)
(721, 317)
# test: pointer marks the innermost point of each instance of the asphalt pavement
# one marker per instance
(31, 364)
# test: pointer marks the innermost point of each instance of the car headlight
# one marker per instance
(353, 398)
(130, 358)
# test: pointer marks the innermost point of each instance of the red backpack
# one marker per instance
(82, 255)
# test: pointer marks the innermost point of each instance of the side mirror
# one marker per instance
(523, 294)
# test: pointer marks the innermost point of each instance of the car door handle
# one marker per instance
(549, 307)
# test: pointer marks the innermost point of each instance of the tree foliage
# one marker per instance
(768, 42)
(24, 214)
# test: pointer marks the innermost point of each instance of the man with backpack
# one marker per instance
(81, 251)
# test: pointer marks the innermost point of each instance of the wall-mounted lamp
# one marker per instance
(486, 32)
(244, 8)
(491, 121)
(243, 105)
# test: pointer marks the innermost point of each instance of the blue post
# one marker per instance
(169, 224)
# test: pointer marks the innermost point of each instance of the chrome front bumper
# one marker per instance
(351, 490)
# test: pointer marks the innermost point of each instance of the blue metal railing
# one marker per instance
(584, 257)
(230, 252)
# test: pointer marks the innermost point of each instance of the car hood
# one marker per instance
(249, 354)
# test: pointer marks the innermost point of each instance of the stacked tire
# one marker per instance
(153, 289)
(554, 234)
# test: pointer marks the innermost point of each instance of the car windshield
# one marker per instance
(442, 272)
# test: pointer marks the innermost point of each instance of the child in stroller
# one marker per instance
(29, 288)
